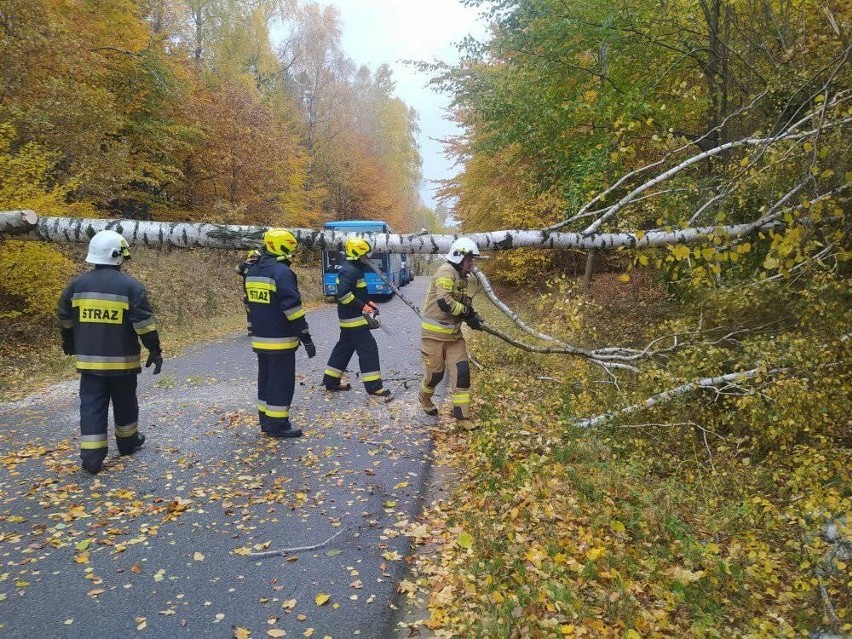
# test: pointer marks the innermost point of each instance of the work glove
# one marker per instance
(68, 342)
(474, 321)
(155, 358)
(370, 309)
(308, 343)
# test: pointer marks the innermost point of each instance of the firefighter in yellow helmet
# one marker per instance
(278, 326)
(353, 309)
(442, 345)
(103, 315)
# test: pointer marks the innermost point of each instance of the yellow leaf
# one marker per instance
(680, 252)
(275, 632)
(567, 629)
(616, 525)
(632, 634)
(322, 598)
(82, 558)
(289, 604)
(308, 633)
(684, 576)
(465, 540)
(593, 554)
(770, 263)
(198, 556)
(241, 633)
(624, 278)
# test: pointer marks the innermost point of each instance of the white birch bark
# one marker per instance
(18, 224)
(706, 382)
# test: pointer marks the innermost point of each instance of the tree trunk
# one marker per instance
(27, 225)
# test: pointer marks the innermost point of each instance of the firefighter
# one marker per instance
(102, 315)
(242, 270)
(278, 327)
(354, 310)
(442, 345)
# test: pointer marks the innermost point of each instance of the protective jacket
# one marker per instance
(443, 308)
(275, 306)
(102, 315)
(351, 294)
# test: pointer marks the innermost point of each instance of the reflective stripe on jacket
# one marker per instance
(442, 308)
(351, 294)
(275, 306)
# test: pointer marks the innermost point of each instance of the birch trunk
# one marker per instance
(27, 225)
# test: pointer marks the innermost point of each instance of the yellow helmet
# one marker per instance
(357, 247)
(280, 242)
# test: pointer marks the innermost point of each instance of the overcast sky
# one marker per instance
(390, 31)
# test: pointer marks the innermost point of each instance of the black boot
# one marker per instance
(92, 462)
(128, 448)
(384, 393)
(91, 467)
(282, 431)
(284, 434)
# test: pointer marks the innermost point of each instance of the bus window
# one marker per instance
(333, 260)
(380, 261)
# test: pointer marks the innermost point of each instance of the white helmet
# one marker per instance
(108, 247)
(461, 247)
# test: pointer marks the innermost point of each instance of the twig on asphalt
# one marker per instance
(289, 551)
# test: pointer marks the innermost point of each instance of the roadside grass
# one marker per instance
(196, 296)
(632, 530)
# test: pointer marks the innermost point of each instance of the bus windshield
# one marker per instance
(334, 260)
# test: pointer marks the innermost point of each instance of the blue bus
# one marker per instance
(389, 263)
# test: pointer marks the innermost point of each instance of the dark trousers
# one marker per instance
(276, 381)
(96, 393)
(360, 340)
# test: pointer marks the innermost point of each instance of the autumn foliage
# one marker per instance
(173, 110)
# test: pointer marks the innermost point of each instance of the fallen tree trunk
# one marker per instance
(28, 225)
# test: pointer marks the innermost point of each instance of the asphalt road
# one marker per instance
(155, 545)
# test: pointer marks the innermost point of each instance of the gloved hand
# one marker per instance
(308, 343)
(310, 349)
(474, 320)
(370, 309)
(68, 342)
(155, 358)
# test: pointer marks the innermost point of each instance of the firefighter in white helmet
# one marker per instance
(103, 315)
(442, 345)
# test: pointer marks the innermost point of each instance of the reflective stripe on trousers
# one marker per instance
(96, 393)
(439, 356)
(359, 339)
(276, 383)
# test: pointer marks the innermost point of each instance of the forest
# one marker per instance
(664, 186)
